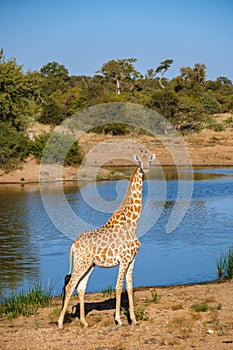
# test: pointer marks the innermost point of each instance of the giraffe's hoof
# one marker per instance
(134, 322)
(118, 326)
(60, 326)
(84, 324)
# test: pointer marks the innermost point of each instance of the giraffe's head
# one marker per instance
(144, 160)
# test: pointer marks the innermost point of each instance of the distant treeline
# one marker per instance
(51, 95)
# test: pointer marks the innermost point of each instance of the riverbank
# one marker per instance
(207, 148)
(180, 317)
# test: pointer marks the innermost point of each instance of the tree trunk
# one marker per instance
(118, 91)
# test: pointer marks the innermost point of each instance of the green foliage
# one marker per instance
(211, 123)
(54, 69)
(191, 77)
(51, 95)
(108, 292)
(201, 307)
(155, 296)
(162, 69)
(14, 147)
(51, 112)
(17, 90)
(25, 303)
(141, 314)
(56, 77)
(165, 102)
(53, 148)
(211, 105)
(119, 70)
(225, 264)
(113, 129)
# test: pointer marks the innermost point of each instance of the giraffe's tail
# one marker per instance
(67, 278)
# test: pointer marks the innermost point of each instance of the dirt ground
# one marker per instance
(167, 320)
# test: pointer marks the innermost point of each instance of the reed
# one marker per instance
(109, 291)
(25, 303)
(225, 264)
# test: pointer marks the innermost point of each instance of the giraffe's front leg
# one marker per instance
(120, 280)
(129, 280)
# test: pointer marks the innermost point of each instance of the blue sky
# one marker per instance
(84, 34)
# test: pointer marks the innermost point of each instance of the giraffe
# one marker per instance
(113, 244)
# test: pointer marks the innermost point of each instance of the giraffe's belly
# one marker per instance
(106, 257)
(110, 257)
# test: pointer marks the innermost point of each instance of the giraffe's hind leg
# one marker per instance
(129, 287)
(81, 288)
(78, 272)
(68, 292)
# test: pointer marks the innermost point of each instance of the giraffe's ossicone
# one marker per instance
(115, 243)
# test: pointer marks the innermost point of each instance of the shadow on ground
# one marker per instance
(109, 304)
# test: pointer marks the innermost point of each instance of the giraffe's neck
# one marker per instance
(130, 209)
(133, 194)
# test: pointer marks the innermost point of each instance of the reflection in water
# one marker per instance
(19, 253)
(33, 249)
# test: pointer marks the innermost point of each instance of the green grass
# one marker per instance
(141, 314)
(155, 297)
(108, 292)
(225, 264)
(25, 303)
(201, 307)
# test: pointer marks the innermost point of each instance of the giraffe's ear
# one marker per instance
(136, 158)
(152, 157)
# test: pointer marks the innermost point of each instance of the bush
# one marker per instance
(55, 150)
(211, 105)
(14, 147)
(52, 112)
(113, 129)
(165, 102)
(211, 123)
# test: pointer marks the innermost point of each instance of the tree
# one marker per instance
(162, 69)
(56, 77)
(151, 74)
(17, 92)
(119, 71)
(193, 76)
(54, 69)
(224, 81)
(211, 105)
(52, 112)
(165, 102)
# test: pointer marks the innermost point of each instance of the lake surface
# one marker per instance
(33, 249)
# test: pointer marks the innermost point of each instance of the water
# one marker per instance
(33, 249)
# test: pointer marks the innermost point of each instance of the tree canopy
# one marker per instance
(51, 95)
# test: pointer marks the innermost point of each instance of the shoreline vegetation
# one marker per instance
(207, 148)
